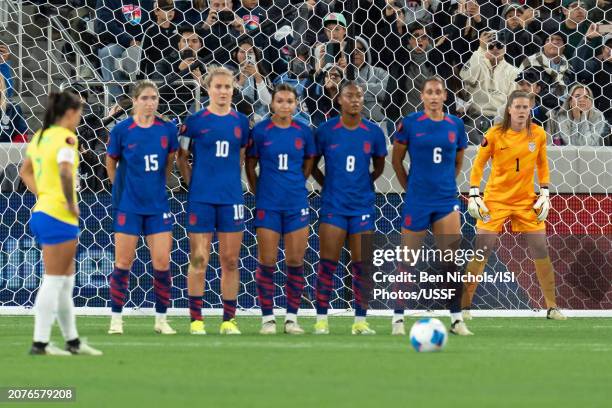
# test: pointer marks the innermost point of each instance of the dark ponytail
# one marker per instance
(58, 103)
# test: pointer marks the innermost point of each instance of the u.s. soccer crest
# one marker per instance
(237, 132)
(452, 136)
(532, 146)
(367, 147)
(299, 143)
(132, 14)
(164, 142)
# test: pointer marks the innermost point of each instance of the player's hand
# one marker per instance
(542, 206)
(476, 206)
(74, 209)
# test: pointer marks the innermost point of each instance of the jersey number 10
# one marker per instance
(222, 148)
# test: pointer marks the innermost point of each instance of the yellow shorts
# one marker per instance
(523, 220)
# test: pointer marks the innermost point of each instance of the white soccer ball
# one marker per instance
(428, 335)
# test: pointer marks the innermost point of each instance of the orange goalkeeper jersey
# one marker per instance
(514, 158)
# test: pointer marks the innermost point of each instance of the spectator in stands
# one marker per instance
(13, 127)
(535, 81)
(598, 75)
(299, 76)
(309, 22)
(184, 62)
(194, 12)
(157, 41)
(375, 81)
(489, 80)
(552, 60)
(388, 39)
(574, 26)
(520, 43)
(578, 123)
(464, 33)
(6, 71)
(321, 95)
(252, 16)
(251, 78)
(420, 11)
(220, 30)
(335, 32)
(120, 24)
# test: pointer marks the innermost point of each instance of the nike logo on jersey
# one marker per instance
(420, 134)
(363, 223)
(503, 148)
(204, 131)
(333, 146)
(133, 145)
(267, 143)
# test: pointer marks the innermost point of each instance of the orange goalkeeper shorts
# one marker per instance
(522, 220)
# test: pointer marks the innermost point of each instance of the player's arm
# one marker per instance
(170, 165)
(542, 205)
(251, 174)
(459, 161)
(317, 174)
(397, 160)
(476, 206)
(111, 167)
(27, 175)
(307, 166)
(378, 163)
(65, 161)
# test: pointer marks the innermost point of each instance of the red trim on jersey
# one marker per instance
(403, 142)
(206, 112)
(158, 122)
(133, 125)
(338, 125)
(270, 125)
(449, 120)
(295, 125)
(233, 113)
(113, 156)
(423, 117)
(363, 126)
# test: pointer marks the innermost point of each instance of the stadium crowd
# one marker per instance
(559, 51)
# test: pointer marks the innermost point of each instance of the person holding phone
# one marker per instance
(321, 95)
(220, 27)
(251, 78)
(335, 32)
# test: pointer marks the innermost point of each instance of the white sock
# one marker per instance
(292, 317)
(321, 317)
(45, 306)
(65, 310)
(360, 319)
(398, 317)
(116, 315)
(160, 316)
(456, 316)
(268, 318)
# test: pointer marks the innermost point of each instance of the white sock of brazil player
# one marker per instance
(45, 306)
(291, 317)
(65, 310)
(456, 316)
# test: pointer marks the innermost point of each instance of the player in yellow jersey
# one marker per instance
(516, 147)
(50, 172)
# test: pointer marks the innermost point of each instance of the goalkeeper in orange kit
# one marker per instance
(516, 148)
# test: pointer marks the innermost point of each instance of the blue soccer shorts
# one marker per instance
(419, 218)
(352, 224)
(282, 221)
(143, 224)
(48, 230)
(205, 218)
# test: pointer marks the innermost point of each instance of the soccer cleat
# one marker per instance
(197, 327)
(292, 327)
(162, 326)
(467, 314)
(83, 349)
(49, 350)
(116, 325)
(268, 327)
(555, 314)
(398, 329)
(229, 327)
(460, 329)
(321, 327)
(362, 328)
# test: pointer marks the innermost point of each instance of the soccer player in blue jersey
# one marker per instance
(285, 151)
(140, 156)
(217, 137)
(435, 142)
(348, 143)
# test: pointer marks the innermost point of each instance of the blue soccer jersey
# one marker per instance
(281, 151)
(215, 142)
(349, 189)
(432, 147)
(140, 181)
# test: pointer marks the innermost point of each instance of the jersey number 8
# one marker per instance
(350, 163)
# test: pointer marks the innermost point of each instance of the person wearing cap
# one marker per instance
(335, 31)
(535, 81)
(598, 76)
(520, 43)
(157, 40)
(574, 26)
(489, 80)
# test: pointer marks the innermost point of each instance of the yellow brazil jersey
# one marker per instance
(50, 198)
(514, 158)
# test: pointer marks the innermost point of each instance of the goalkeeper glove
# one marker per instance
(477, 207)
(542, 206)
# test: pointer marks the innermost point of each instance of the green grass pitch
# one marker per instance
(510, 362)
